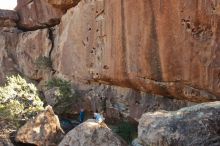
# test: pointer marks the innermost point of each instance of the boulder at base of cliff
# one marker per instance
(44, 130)
(191, 126)
(91, 133)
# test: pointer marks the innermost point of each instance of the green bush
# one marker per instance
(126, 130)
(64, 87)
(43, 62)
(19, 100)
(67, 96)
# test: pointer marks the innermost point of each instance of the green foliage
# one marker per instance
(126, 130)
(66, 94)
(19, 100)
(43, 62)
(64, 87)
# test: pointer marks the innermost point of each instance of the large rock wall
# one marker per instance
(165, 48)
(168, 48)
(29, 53)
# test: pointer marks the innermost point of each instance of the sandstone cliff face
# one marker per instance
(119, 53)
(167, 48)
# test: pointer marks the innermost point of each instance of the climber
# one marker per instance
(99, 119)
(81, 115)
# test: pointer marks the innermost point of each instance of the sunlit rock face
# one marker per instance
(43, 130)
(8, 18)
(121, 102)
(36, 14)
(197, 125)
(90, 133)
(168, 48)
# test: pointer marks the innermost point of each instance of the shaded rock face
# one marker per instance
(166, 48)
(37, 14)
(8, 41)
(43, 130)
(8, 18)
(90, 133)
(197, 125)
(116, 102)
(121, 102)
(32, 54)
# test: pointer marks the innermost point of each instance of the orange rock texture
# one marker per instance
(168, 48)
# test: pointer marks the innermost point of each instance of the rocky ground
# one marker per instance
(196, 125)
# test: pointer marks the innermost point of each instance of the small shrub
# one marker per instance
(43, 62)
(19, 100)
(64, 86)
(126, 130)
(66, 94)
